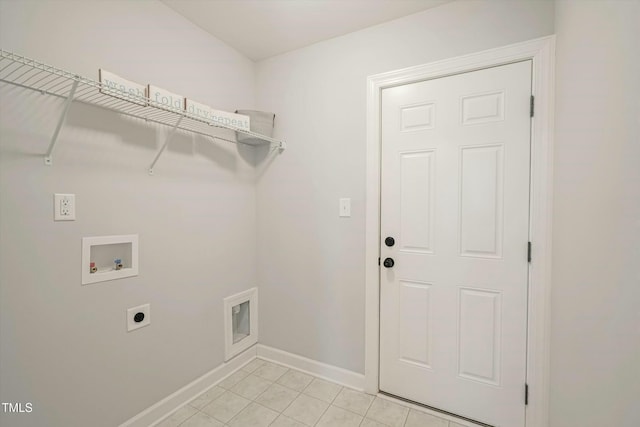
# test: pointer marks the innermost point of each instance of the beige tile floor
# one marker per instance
(264, 394)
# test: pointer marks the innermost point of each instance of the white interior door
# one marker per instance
(455, 199)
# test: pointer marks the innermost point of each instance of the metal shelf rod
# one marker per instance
(166, 142)
(63, 116)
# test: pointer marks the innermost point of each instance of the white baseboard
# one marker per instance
(164, 408)
(322, 370)
(169, 404)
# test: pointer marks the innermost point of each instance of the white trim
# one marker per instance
(164, 408)
(313, 367)
(231, 348)
(541, 52)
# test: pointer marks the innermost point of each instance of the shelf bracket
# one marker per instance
(166, 142)
(67, 103)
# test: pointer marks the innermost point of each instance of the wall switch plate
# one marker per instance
(345, 208)
(64, 207)
(139, 316)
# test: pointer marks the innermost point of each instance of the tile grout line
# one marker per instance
(230, 419)
(288, 388)
(276, 382)
(308, 385)
(290, 403)
(364, 417)
(300, 393)
(330, 403)
(406, 418)
(259, 394)
(297, 396)
(207, 390)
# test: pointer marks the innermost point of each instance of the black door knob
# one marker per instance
(389, 241)
(388, 262)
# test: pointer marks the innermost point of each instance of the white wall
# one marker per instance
(64, 346)
(311, 263)
(595, 379)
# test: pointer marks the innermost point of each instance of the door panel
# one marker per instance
(455, 197)
(413, 329)
(416, 201)
(479, 335)
(481, 201)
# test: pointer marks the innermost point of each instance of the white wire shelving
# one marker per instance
(31, 74)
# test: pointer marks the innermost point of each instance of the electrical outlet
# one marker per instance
(138, 317)
(64, 207)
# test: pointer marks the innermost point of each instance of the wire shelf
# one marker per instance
(46, 79)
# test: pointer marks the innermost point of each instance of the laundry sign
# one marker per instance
(214, 117)
(164, 97)
(121, 88)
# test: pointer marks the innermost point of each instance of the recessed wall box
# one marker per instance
(240, 322)
(99, 256)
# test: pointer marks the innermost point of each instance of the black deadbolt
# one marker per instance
(389, 241)
(139, 317)
(388, 262)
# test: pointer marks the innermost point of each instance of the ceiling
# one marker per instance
(263, 28)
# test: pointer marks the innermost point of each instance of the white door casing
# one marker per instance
(541, 52)
(455, 198)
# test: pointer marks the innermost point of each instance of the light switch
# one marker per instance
(345, 208)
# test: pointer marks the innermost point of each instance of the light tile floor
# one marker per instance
(263, 394)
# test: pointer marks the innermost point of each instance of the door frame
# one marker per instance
(542, 52)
